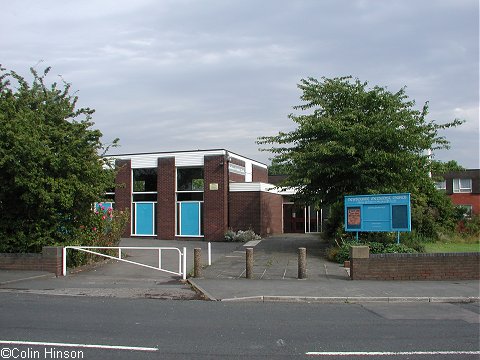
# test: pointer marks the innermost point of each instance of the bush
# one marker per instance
(104, 228)
(51, 164)
(415, 241)
(398, 249)
(342, 253)
(241, 236)
(331, 253)
(470, 226)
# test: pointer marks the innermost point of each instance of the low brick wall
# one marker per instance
(49, 260)
(440, 266)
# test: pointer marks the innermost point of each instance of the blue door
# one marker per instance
(190, 218)
(144, 218)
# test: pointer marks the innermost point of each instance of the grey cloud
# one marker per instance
(174, 75)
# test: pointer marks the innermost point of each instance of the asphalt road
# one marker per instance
(53, 327)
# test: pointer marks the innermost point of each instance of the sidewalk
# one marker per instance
(112, 278)
(275, 278)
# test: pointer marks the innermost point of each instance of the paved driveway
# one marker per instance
(276, 258)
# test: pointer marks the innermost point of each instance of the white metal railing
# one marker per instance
(182, 257)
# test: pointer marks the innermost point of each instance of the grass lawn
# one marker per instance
(440, 247)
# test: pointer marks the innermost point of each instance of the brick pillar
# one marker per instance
(123, 188)
(358, 254)
(215, 205)
(166, 202)
(52, 259)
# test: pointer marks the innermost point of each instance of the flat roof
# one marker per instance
(185, 151)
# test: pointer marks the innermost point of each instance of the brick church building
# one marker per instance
(196, 194)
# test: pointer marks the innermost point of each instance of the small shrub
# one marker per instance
(230, 235)
(331, 253)
(342, 253)
(470, 226)
(398, 249)
(241, 236)
(415, 241)
(376, 247)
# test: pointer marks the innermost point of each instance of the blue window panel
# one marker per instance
(144, 219)
(190, 219)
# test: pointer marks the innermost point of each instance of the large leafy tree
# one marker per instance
(51, 164)
(353, 139)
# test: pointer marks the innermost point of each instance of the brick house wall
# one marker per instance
(215, 202)
(467, 199)
(166, 201)
(256, 210)
(471, 198)
(123, 186)
(438, 266)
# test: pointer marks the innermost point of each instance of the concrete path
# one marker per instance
(276, 258)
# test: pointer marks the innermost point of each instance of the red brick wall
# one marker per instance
(244, 212)
(259, 211)
(259, 174)
(232, 177)
(271, 215)
(49, 260)
(123, 186)
(166, 202)
(467, 199)
(215, 204)
(449, 266)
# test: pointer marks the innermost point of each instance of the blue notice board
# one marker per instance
(378, 213)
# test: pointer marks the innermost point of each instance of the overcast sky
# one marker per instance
(184, 75)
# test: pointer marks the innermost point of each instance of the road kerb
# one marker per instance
(201, 290)
(455, 299)
(399, 299)
(350, 300)
(245, 299)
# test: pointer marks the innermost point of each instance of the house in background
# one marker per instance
(463, 188)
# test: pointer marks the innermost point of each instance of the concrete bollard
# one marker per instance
(197, 262)
(302, 263)
(249, 263)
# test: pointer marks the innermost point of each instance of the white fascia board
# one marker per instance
(259, 186)
(182, 158)
(247, 160)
